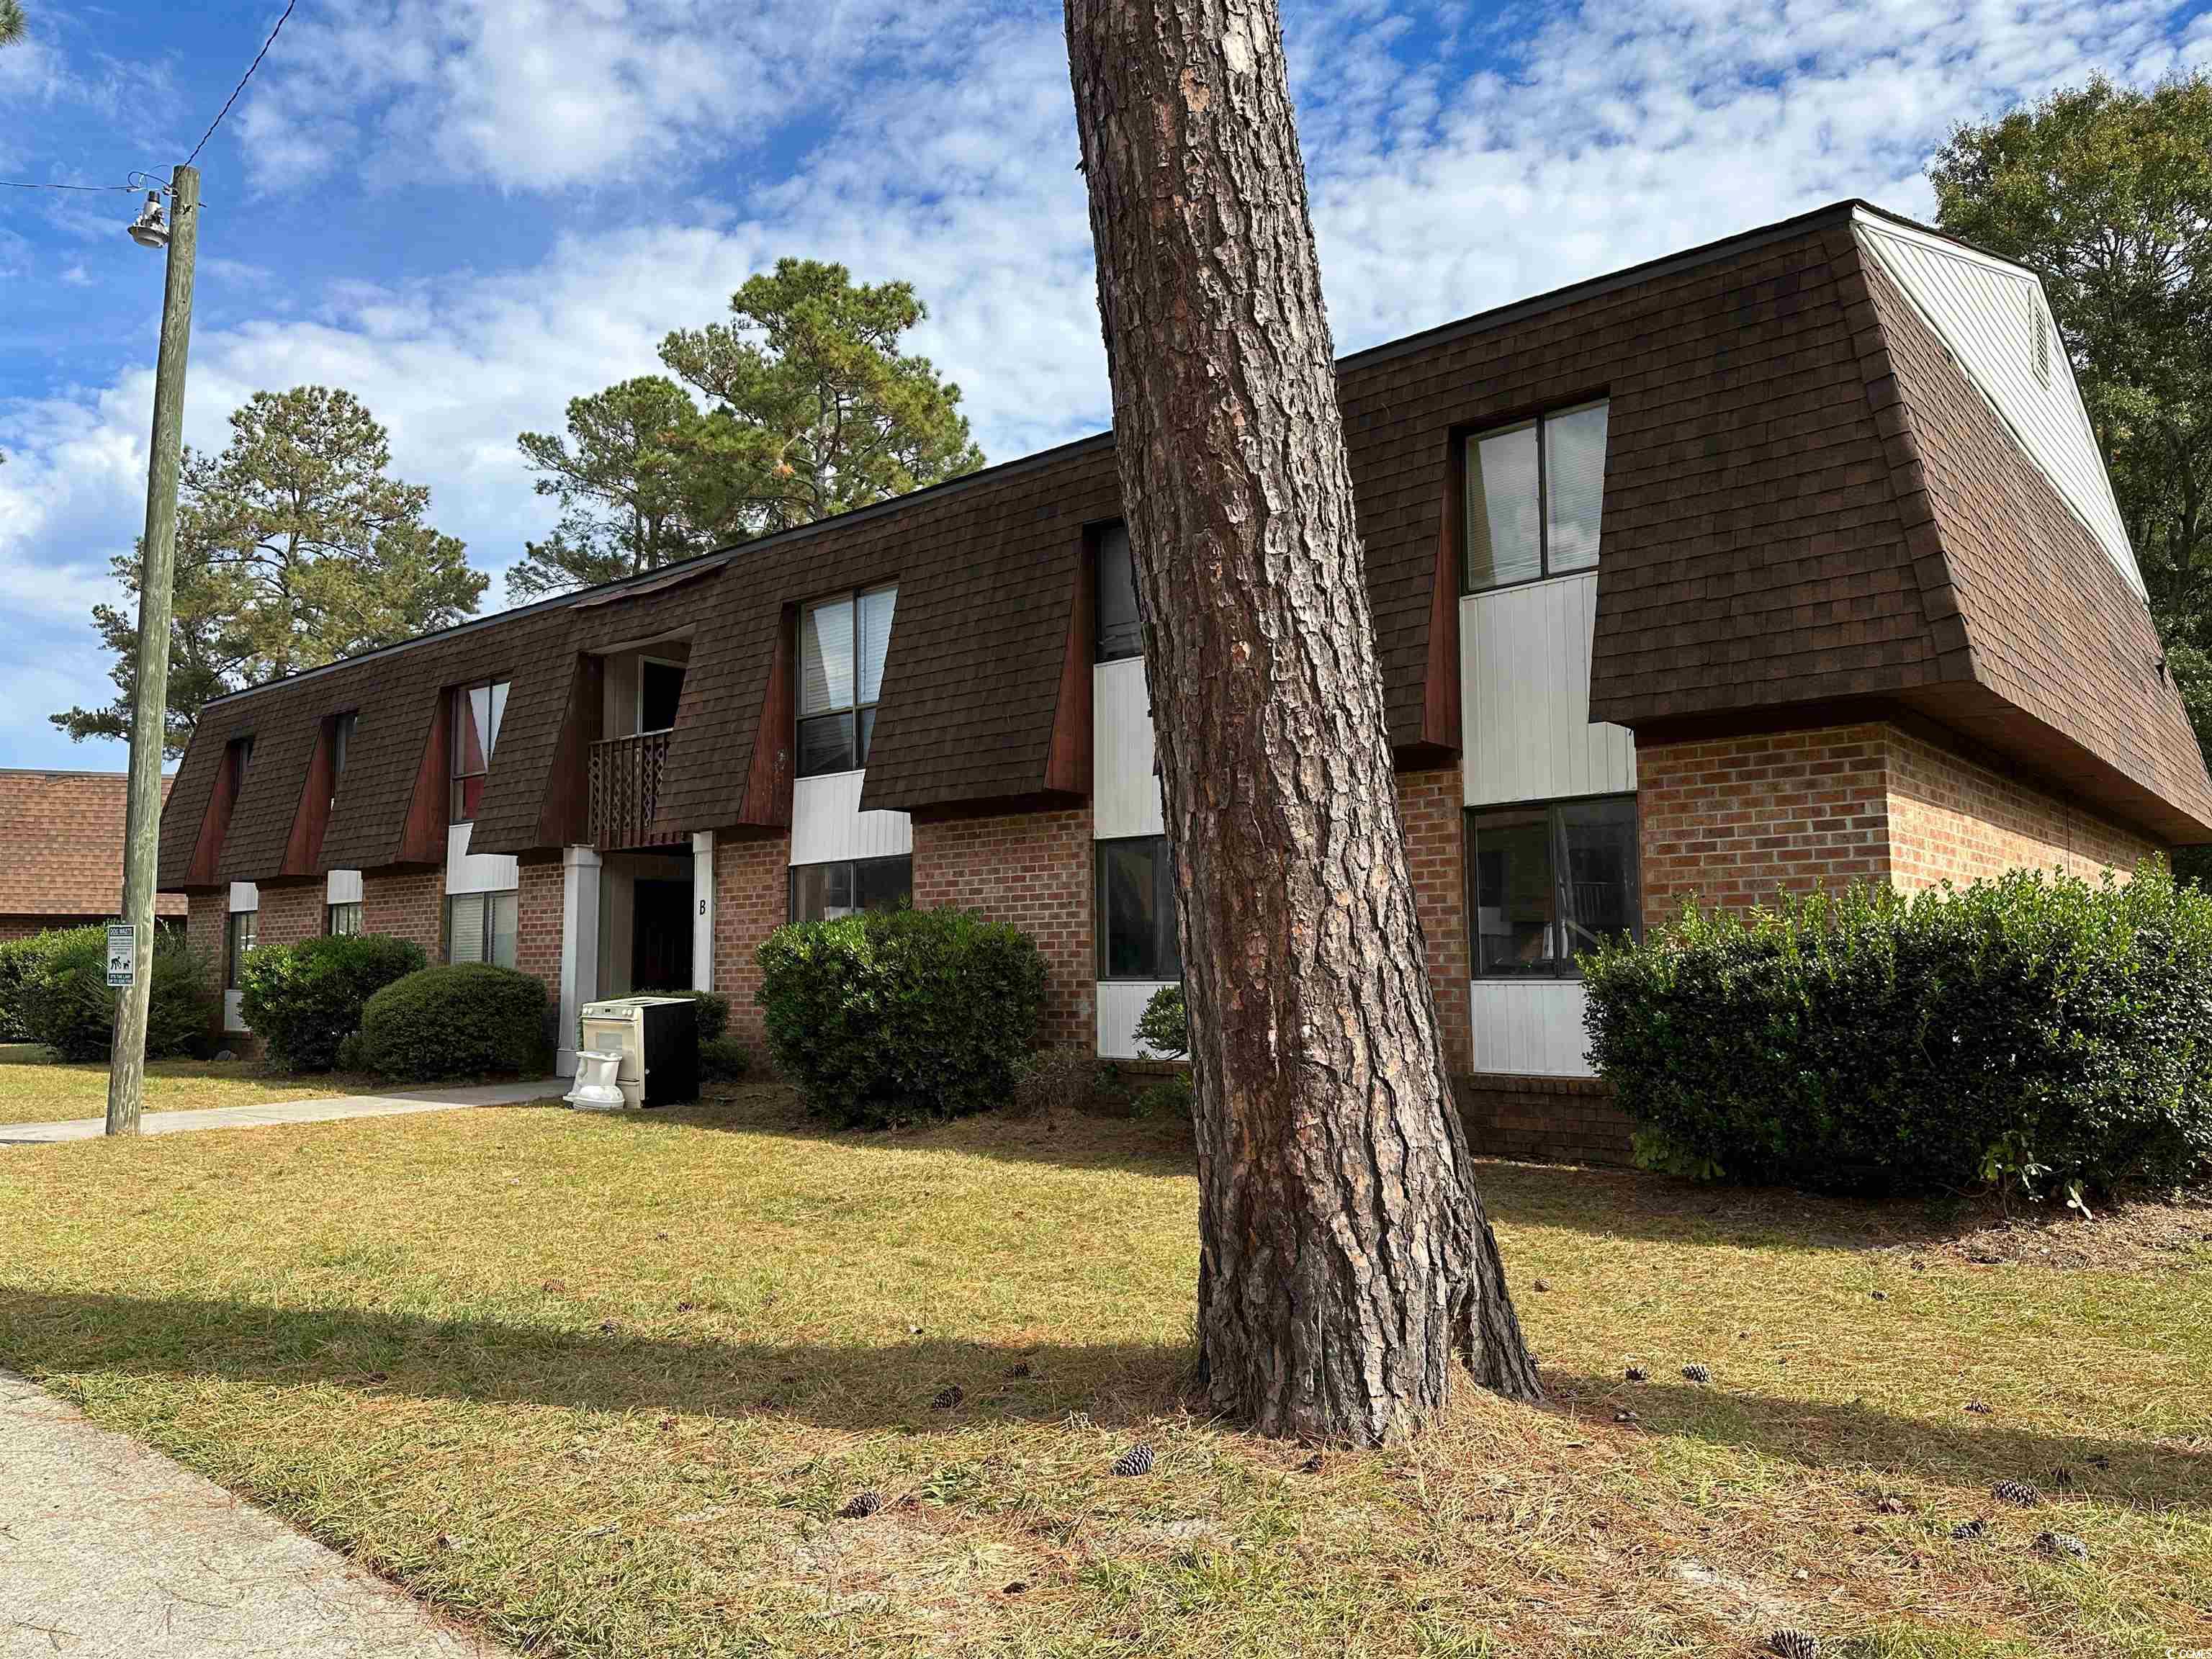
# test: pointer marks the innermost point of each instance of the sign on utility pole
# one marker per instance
(149, 700)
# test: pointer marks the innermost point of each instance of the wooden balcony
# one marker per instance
(626, 790)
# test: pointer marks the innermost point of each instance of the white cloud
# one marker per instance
(1608, 136)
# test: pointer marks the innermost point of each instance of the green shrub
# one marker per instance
(458, 1020)
(1164, 1026)
(67, 1005)
(1168, 1096)
(2032, 1028)
(713, 1015)
(900, 1014)
(19, 960)
(304, 1000)
(724, 1057)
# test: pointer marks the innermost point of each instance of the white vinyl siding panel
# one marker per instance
(826, 823)
(1985, 309)
(1524, 691)
(342, 887)
(1125, 798)
(1529, 1028)
(1120, 1006)
(476, 872)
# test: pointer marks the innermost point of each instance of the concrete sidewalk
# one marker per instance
(290, 1111)
(108, 1548)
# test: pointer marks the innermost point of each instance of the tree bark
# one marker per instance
(1345, 1262)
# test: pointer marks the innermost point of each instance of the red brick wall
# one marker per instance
(405, 904)
(1569, 1120)
(290, 914)
(206, 927)
(12, 927)
(1035, 870)
(1952, 818)
(752, 899)
(1431, 811)
(1731, 821)
(537, 923)
(1728, 822)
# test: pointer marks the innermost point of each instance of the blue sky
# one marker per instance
(468, 211)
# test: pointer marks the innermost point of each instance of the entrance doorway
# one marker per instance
(660, 938)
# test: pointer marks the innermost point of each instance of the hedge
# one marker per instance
(19, 957)
(2033, 1030)
(304, 1000)
(903, 1013)
(65, 1002)
(460, 1020)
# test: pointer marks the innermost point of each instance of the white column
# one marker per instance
(580, 947)
(702, 909)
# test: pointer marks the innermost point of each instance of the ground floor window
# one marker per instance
(481, 928)
(822, 892)
(342, 918)
(237, 941)
(1550, 880)
(1137, 910)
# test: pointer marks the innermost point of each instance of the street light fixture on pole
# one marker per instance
(130, 954)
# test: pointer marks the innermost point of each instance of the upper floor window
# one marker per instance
(1535, 492)
(476, 712)
(842, 643)
(659, 687)
(340, 745)
(1119, 634)
(241, 755)
(1550, 881)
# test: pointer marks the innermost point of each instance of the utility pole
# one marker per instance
(157, 561)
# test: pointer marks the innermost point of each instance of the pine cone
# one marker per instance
(948, 1398)
(1137, 1460)
(1794, 1644)
(2064, 1544)
(860, 1506)
(2062, 1477)
(1890, 1503)
(1968, 1531)
(1020, 1369)
(2016, 1493)
(1636, 1374)
(1695, 1374)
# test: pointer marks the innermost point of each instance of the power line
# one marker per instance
(32, 183)
(243, 80)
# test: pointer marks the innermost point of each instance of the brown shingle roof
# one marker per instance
(61, 845)
(1801, 510)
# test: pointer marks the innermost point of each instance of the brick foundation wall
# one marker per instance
(1431, 812)
(1549, 1120)
(406, 904)
(752, 899)
(1955, 819)
(290, 915)
(1035, 870)
(206, 925)
(14, 928)
(538, 897)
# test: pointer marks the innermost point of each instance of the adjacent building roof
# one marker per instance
(1829, 490)
(61, 845)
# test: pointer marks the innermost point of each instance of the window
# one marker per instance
(842, 646)
(480, 928)
(340, 745)
(340, 920)
(1549, 881)
(1137, 910)
(1535, 494)
(477, 710)
(236, 943)
(241, 762)
(822, 892)
(659, 684)
(1119, 634)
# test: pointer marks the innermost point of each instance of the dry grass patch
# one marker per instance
(603, 1384)
(33, 1090)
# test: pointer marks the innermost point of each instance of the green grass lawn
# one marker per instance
(33, 1091)
(600, 1384)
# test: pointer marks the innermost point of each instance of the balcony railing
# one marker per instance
(626, 790)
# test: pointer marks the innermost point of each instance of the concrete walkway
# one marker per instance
(289, 1111)
(108, 1548)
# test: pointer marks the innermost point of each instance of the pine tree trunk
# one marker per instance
(1346, 1263)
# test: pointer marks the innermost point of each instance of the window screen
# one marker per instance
(1137, 910)
(1536, 492)
(1120, 633)
(1548, 882)
(843, 644)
